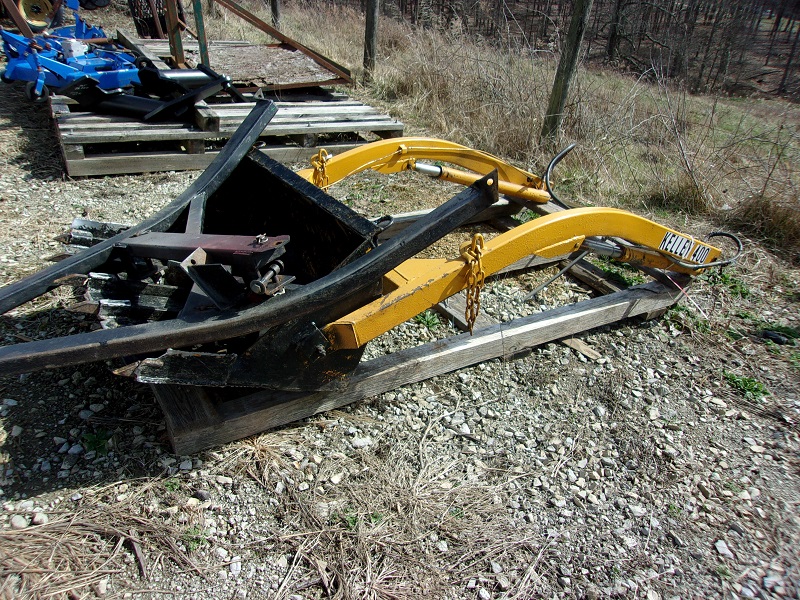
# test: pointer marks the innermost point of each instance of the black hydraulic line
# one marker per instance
(324, 293)
(716, 263)
(556, 159)
(238, 145)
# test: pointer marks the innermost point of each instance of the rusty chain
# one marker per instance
(319, 162)
(473, 252)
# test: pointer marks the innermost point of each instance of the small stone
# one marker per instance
(772, 581)
(58, 441)
(564, 582)
(39, 518)
(9, 402)
(441, 546)
(192, 502)
(757, 449)
(704, 490)
(75, 449)
(472, 584)
(86, 414)
(737, 527)
(676, 540)
(599, 411)
(336, 478)
(637, 511)
(723, 549)
(236, 566)
(96, 408)
(186, 465)
(361, 442)
(16, 431)
(484, 594)
(101, 588)
(18, 522)
(503, 583)
(496, 567)
(202, 495)
(654, 413)
(224, 480)
(221, 552)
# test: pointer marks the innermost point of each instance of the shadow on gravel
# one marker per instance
(36, 150)
(77, 426)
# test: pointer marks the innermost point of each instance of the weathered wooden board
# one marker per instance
(199, 420)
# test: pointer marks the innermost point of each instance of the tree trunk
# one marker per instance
(567, 65)
(371, 38)
(613, 31)
(782, 86)
(275, 9)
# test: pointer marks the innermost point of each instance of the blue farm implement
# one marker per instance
(65, 55)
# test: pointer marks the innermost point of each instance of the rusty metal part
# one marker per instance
(204, 186)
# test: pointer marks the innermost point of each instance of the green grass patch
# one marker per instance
(619, 272)
(685, 319)
(194, 537)
(733, 284)
(97, 442)
(429, 319)
(747, 386)
(172, 485)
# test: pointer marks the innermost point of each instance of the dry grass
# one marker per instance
(392, 523)
(641, 143)
(80, 549)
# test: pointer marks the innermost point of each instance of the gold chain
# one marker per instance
(319, 162)
(473, 252)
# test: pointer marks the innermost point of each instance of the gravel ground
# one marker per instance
(645, 471)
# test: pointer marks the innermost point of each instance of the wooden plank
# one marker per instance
(454, 310)
(595, 278)
(205, 117)
(265, 410)
(131, 42)
(153, 162)
(582, 347)
(145, 133)
(324, 62)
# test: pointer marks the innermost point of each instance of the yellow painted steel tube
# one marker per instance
(549, 236)
(398, 154)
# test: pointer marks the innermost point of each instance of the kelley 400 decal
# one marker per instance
(682, 246)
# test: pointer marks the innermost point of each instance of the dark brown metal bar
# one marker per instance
(174, 34)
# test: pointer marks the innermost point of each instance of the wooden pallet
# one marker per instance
(95, 144)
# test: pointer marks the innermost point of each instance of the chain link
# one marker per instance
(319, 161)
(473, 252)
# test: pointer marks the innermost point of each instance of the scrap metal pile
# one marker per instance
(256, 277)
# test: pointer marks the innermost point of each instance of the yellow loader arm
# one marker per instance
(419, 284)
(401, 154)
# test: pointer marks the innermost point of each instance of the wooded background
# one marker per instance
(731, 46)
